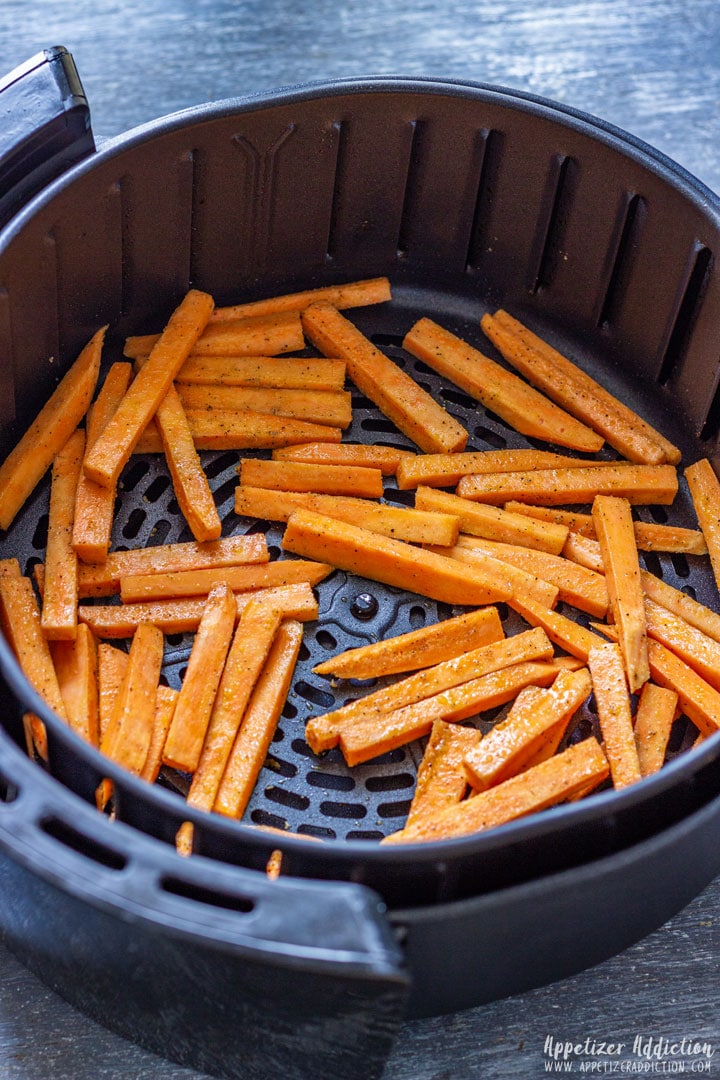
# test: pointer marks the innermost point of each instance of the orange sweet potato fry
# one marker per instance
(697, 698)
(263, 335)
(446, 470)
(216, 430)
(418, 648)
(259, 722)
(692, 645)
(639, 484)
(60, 596)
(499, 390)
(396, 394)
(585, 551)
(287, 372)
(165, 701)
(705, 493)
(609, 682)
(566, 633)
(384, 458)
(350, 480)
(654, 717)
(441, 779)
(330, 407)
(113, 447)
(197, 694)
(494, 523)
(111, 667)
(76, 666)
(137, 588)
(33, 455)
(681, 604)
(352, 294)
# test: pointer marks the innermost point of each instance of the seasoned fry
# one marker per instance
(654, 717)
(446, 470)
(259, 722)
(493, 523)
(95, 505)
(165, 702)
(396, 394)
(441, 779)
(197, 693)
(349, 480)
(637, 483)
(584, 551)
(417, 648)
(573, 770)
(264, 335)
(502, 392)
(688, 642)
(25, 466)
(76, 666)
(287, 372)
(111, 450)
(705, 493)
(138, 588)
(9, 567)
(609, 683)
(681, 604)
(402, 523)
(697, 698)
(330, 407)
(353, 294)
(576, 391)
(564, 632)
(60, 596)
(216, 430)
(384, 458)
(520, 574)
(111, 667)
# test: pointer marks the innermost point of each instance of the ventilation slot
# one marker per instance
(553, 216)
(411, 189)
(340, 133)
(700, 267)
(630, 223)
(189, 891)
(491, 148)
(83, 845)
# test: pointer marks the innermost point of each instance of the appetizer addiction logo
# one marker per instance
(650, 1055)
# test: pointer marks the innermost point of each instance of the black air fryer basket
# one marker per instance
(468, 197)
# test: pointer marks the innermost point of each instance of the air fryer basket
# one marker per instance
(468, 197)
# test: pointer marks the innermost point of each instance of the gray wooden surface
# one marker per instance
(651, 67)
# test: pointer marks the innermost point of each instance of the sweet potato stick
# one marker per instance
(441, 779)
(693, 646)
(654, 717)
(60, 596)
(582, 588)
(352, 294)
(111, 667)
(499, 390)
(394, 562)
(165, 702)
(33, 455)
(10, 567)
(368, 737)
(202, 677)
(564, 632)
(183, 616)
(190, 483)
(322, 732)
(350, 480)
(649, 535)
(493, 523)
(446, 470)
(330, 407)
(137, 588)
(705, 493)
(613, 525)
(681, 604)
(265, 335)
(565, 774)
(530, 722)
(95, 505)
(697, 698)
(259, 722)
(76, 666)
(216, 430)
(574, 390)
(397, 395)
(107, 456)
(584, 551)
(417, 648)
(384, 458)
(609, 682)
(251, 644)
(288, 372)
(400, 522)
(549, 487)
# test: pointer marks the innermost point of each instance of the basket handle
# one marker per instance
(44, 126)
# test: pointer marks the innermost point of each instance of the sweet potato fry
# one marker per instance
(521, 575)
(584, 551)
(10, 567)
(249, 650)
(111, 450)
(400, 522)
(575, 769)
(137, 588)
(446, 470)
(95, 505)
(574, 390)
(531, 721)
(441, 779)
(697, 698)
(493, 523)
(190, 483)
(397, 395)
(33, 455)
(369, 736)
(566, 633)
(350, 480)
(637, 483)
(264, 335)
(497, 389)
(111, 667)
(288, 372)
(609, 682)
(654, 717)
(613, 524)
(394, 562)
(330, 407)
(259, 722)
(705, 493)
(417, 648)
(384, 458)
(240, 431)
(688, 642)
(323, 732)
(60, 596)
(202, 677)
(183, 616)
(352, 294)
(76, 666)
(165, 702)
(681, 604)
